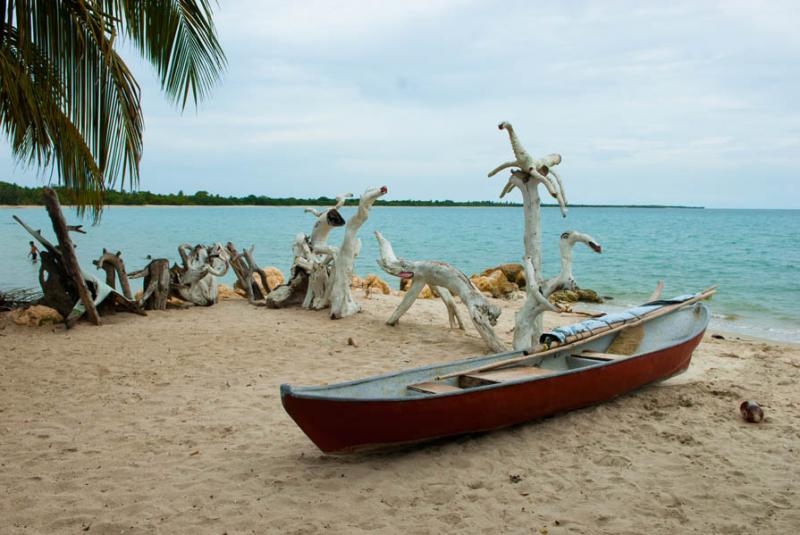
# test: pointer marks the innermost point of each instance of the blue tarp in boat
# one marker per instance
(560, 334)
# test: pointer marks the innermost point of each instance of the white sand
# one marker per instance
(172, 423)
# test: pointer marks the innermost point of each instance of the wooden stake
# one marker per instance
(68, 253)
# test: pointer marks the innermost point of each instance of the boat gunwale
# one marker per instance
(315, 392)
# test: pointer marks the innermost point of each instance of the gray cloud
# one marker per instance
(687, 103)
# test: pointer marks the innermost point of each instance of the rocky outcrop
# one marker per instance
(574, 296)
(426, 293)
(226, 292)
(35, 316)
(495, 283)
(513, 272)
(274, 278)
(371, 283)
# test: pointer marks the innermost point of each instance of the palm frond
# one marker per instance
(67, 99)
(178, 37)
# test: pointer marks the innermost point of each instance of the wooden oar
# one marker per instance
(579, 338)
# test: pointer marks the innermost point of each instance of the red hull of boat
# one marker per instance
(342, 426)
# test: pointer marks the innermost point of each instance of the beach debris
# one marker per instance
(447, 281)
(19, 298)
(751, 412)
(351, 342)
(717, 337)
(514, 478)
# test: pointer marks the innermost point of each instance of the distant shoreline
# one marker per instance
(393, 205)
(16, 195)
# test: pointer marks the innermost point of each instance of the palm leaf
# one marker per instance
(69, 101)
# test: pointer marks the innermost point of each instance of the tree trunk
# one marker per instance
(67, 250)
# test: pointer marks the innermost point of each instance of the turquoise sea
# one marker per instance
(753, 255)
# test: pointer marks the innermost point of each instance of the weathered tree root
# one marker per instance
(246, 270)
(442, 277)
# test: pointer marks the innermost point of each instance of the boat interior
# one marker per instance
(463, 375)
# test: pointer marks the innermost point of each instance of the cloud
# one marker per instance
(646, 102)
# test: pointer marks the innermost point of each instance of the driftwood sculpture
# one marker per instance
(114, 267)
(196, 280)
(246, 270)
(310, 273)
(295, 290)
(321, 273)
(156, 286)
(341, 297)
(538, 169)
(564, 280)
(530, 173)
(67, 288)
(442, 277)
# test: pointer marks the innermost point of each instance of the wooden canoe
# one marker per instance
(495, 391)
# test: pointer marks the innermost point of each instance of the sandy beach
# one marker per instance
(172, 423)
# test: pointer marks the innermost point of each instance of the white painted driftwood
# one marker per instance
(441, 276)
(527, 318)
(564, 280)
(196, 280)
(311, 278)
(317, 257)
(342, 302)
(530, 173)
(537, 169)
(327, 220)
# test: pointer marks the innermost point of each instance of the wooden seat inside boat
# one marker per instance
(596, 355)
(433, 388)
(500, 376)
(470, 380)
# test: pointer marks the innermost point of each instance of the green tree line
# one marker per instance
(13, 194)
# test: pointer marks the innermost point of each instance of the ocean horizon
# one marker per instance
(751, 254)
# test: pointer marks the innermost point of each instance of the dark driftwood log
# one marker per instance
(70, 263)
(58, 289)
(156, 284)
(291, 293)
(112, 264)
(244, 274)
(246, 269)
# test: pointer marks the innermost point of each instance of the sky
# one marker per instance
(691, 103)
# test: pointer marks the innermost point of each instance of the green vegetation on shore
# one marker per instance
(12, 194)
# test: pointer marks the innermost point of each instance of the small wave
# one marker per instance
(728, 317)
